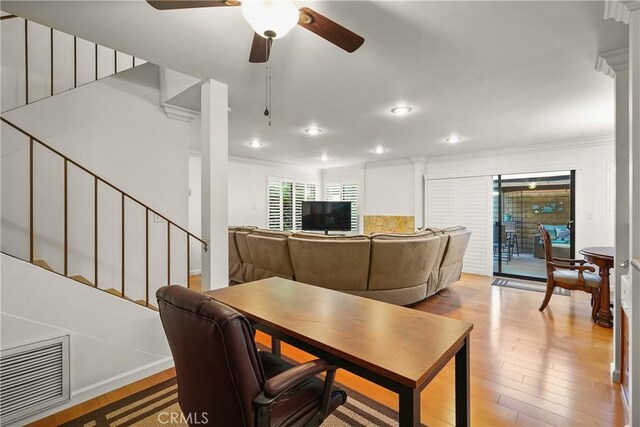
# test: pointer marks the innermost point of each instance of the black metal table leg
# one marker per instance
(275, 347)
(409, 412)
(463, 407)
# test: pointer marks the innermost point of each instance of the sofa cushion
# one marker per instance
(331, 263)
(235, 262)
(270, 255)
(400, 262)
(320, 236)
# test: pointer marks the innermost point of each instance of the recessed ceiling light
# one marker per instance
(313, 131)
(256, 143)
(401, 110)
(379, 150)
(454, 139)
(324, 158)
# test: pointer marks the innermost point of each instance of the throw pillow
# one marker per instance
(564, 234)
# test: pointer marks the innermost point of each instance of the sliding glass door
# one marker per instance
(522, 202)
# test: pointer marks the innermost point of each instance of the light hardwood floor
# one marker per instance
(527, 367)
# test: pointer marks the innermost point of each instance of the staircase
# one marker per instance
(131, 225)
(50, 61)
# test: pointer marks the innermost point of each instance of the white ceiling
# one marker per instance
(498, 74)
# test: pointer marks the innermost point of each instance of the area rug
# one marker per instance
(527, 286)
(158, 406)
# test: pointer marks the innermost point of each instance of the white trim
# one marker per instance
(389, 163)
(259, 162)
(194, 272)
(613, 61)
(179, 113)
(620, 11)
(557, 145)
(194, 152)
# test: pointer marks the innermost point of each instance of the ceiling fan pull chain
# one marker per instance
(267, 110)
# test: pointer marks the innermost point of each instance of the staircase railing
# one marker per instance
(126, 62)
(123, 197)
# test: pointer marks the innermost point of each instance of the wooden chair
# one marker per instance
(572, 274)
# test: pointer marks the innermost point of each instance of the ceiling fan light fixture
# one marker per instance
(270, 18)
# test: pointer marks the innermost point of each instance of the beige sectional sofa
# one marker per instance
(396, 268)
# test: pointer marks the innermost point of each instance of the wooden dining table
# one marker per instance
(398, 348)
(603, 257)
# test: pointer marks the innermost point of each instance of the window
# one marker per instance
(345, 193)
(285, 203)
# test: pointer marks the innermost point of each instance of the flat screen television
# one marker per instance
(326, 216)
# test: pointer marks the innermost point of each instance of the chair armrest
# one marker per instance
(276, 386)
(290, 378)
(581, 268)
(570, 261)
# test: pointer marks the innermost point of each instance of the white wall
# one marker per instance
(247, 191)
(389, 190)
(591, 160)
(106, 352)
(115, 128)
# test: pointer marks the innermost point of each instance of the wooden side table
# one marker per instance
(602, 256)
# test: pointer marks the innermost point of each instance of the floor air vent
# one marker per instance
(33, 377)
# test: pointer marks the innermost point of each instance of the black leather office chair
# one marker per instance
(221, 373)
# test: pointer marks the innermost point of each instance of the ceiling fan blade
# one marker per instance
(187, 4)
(329, 30)
(259, 51)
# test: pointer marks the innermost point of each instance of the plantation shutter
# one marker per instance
(345, 193)
(275, 205)
(285, 203)
(464, 201)
(350, 194)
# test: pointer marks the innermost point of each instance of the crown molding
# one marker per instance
(258, 162)
(419, 160)
(389, 163)
(269, 163)
(613, 61)
(179, 113)
(620, 10)
(550, 146)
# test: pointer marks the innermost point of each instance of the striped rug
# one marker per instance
(158, 406)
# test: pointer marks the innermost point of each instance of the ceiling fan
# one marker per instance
(272, 19)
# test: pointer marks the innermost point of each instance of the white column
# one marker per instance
(634, 205)
(616, 64)
(215, 204)
(419, 169)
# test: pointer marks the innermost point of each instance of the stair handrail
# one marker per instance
(124, 194)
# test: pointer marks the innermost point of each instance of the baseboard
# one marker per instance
(102, 387)
(615, 373)
(195, 272)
